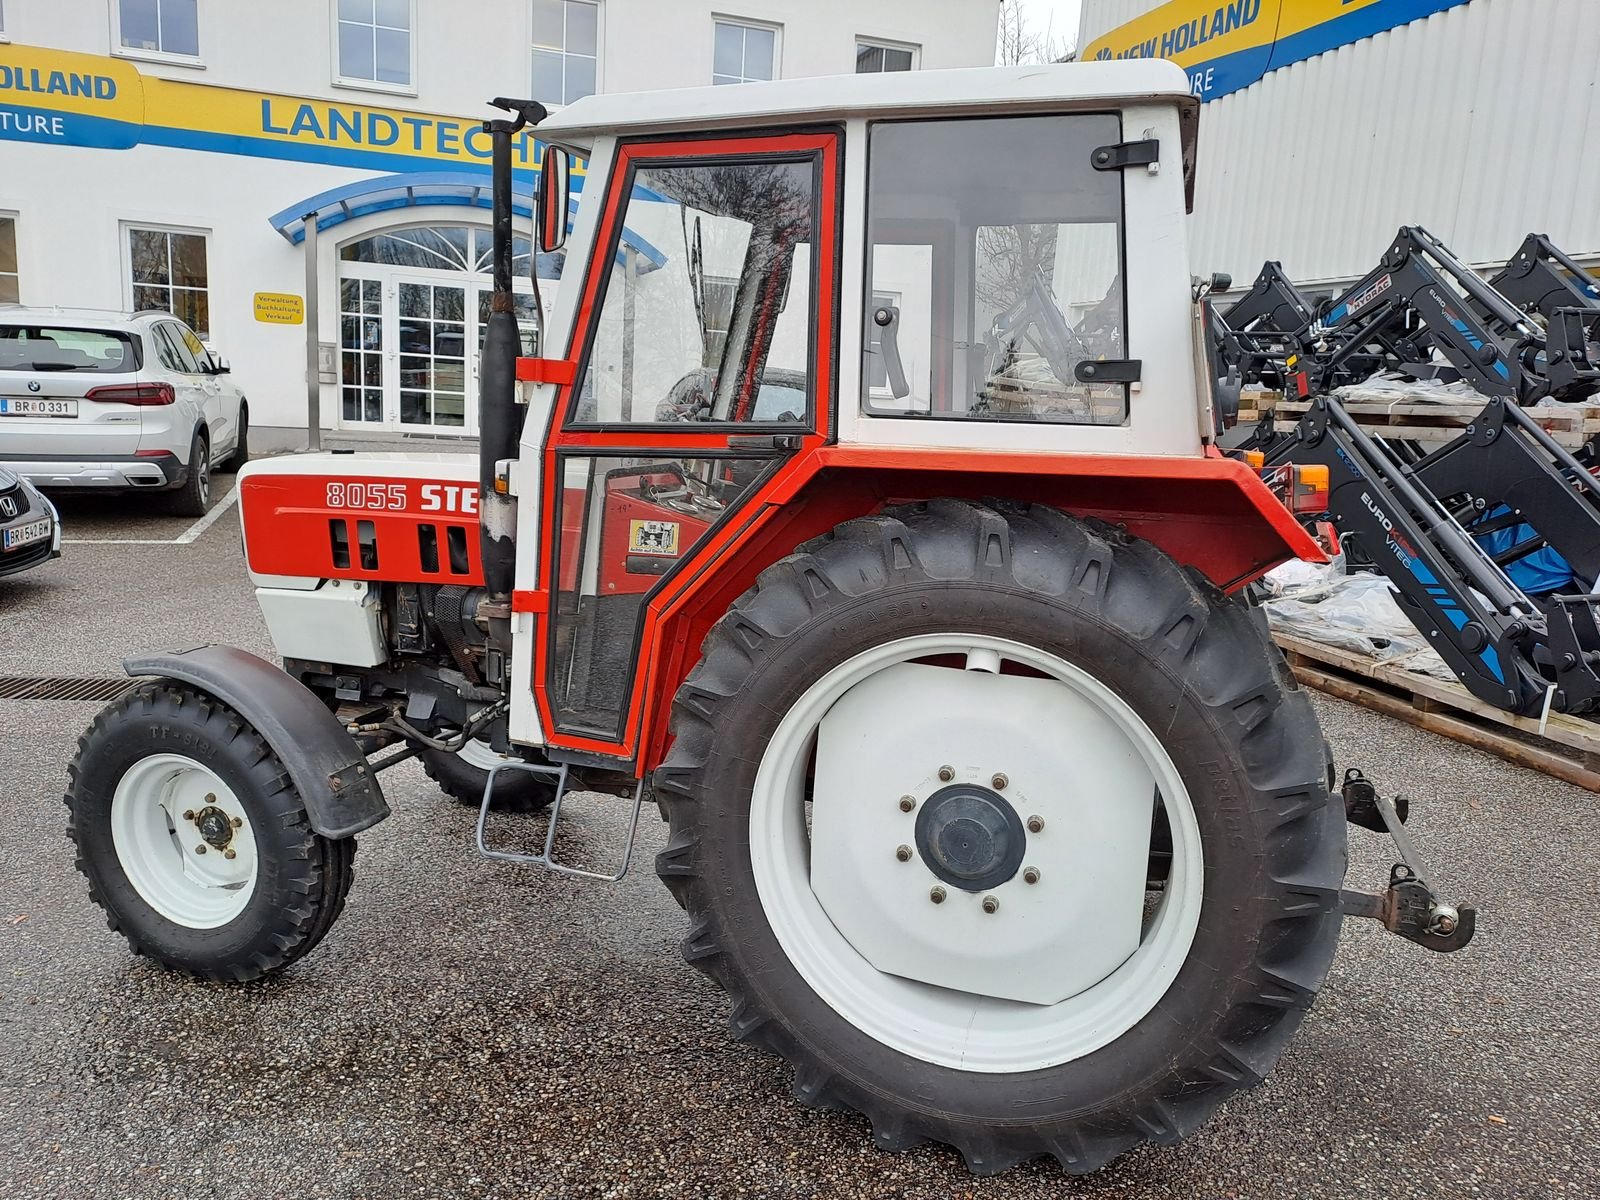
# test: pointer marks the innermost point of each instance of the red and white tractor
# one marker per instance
(864, 514)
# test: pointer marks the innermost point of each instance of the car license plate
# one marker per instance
(37, 406)
(22, 535)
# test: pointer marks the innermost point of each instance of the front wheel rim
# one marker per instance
(959, 1029)
(167, 806)
(478, 753)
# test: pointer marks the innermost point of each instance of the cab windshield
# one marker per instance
(706, 309)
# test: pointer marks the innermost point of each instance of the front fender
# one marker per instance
(341, 795)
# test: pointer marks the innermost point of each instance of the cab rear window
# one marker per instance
(62, 348)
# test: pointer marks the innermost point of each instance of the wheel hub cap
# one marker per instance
(960, 912)
(970, 837)
(215, 826)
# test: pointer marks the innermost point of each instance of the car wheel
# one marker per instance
(241, 448)
(194, 497)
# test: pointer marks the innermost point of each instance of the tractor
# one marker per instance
(863, 511)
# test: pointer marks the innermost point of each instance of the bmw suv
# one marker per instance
(116, 400)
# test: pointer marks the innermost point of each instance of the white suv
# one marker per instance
(116, 400)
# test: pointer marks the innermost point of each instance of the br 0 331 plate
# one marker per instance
(37, 406)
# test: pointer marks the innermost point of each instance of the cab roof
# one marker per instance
(966, 91)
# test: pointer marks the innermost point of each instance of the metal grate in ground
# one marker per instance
(64, 687)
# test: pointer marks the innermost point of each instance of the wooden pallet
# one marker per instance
(1564, 747)
(1570, 425)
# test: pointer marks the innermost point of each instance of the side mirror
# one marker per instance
(555, 178)
(219, 365)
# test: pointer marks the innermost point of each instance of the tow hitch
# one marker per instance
(1409, 906)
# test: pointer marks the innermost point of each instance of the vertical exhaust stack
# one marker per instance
(499, 419)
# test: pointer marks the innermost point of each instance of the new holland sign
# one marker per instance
(1226, 45)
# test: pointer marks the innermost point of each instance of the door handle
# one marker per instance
(764, 441)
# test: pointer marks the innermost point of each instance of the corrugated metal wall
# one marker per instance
(1481, 123)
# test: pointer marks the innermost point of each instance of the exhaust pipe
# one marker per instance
(499, 417)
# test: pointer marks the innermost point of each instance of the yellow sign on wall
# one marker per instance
(67, 98)
(280, 308)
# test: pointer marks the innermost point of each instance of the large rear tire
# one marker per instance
(166, 771)
(916, 628)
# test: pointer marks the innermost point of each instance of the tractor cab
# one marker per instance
(848, 280)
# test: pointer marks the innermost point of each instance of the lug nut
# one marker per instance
(907, 803)
(188, 814)
(991, 905)
(1035, 824)
(230, 852)
(946, 774)
(1030, 875)
(200, 849)
(937, 895)
(238, 822)
(999, 781)
(903, 853)
(211, 797)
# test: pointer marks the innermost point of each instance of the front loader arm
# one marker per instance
(1474, 617)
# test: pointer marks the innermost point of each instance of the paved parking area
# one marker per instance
(471, 1029)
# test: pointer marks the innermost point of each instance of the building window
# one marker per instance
(566, 50)
(2, 21)
(159, 27)
(873, 57)
(167, 272)
(744, 53)
(10, 281)
(375, 41)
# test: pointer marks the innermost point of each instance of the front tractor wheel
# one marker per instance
(194, 840)
(1006, 831)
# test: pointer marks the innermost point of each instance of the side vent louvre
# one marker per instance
(457, 539)
(367, 539)
(339, 542)
(428, 548)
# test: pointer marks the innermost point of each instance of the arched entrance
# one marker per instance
(413, 305)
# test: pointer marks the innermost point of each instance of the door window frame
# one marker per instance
(566, 439)
(820, 147)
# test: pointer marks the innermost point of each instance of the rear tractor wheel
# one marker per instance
(1005, 831)
(195, 842)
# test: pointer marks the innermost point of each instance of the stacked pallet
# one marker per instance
(1391, 415)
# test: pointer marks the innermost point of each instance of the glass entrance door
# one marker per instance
(431, 334)
(413, 305)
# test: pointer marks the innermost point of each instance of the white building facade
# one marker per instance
(166, 154)
(1328, 124)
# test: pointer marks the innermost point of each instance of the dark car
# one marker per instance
(30, 528)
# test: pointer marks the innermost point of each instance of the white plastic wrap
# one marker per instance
(1358, 613)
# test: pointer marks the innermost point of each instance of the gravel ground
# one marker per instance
(471, 1029)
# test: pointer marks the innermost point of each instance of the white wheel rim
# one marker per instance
(938, 1025)
(157, 844)
(478, 753)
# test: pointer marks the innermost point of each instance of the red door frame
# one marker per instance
(827, 145)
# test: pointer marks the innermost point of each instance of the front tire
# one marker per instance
(241, 447)
(463, 774)
(166, 770)
(947, 1045)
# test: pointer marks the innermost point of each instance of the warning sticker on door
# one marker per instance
(653, 537)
